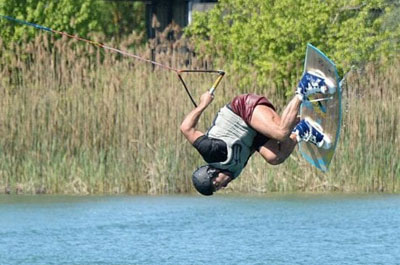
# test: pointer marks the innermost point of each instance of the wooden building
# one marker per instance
(161, 13)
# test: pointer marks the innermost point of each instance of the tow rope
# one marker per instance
(101, 45)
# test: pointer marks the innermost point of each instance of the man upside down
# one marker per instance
(247, 124)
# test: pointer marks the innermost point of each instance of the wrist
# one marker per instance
(202, 106)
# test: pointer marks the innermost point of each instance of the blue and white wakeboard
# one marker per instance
(326, 109)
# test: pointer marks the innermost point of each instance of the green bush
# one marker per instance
(79, 17)
(264, 41)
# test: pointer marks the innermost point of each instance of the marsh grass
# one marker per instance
(78, 120)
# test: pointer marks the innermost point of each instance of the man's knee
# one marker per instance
(282, 134)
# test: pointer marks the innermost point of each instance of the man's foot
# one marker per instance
(314, 82)
(308, 130)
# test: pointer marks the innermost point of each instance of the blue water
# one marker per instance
(290, 229)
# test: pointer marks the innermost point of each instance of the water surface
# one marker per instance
(283, 229)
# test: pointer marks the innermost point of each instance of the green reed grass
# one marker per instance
(75, 119)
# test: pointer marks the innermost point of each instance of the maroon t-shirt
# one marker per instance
(244, 105)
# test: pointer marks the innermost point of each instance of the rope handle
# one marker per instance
(211, 90)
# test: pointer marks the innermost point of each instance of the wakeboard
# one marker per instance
(325, 109)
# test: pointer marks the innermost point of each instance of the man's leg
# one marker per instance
(275, 152)
(267, 122)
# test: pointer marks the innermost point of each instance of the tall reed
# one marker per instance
(76, 119)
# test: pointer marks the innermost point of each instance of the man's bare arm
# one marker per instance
(188, 126)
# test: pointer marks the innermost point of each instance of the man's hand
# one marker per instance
(206, 99)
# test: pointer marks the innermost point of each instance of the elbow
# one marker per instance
(276, 161)
(185, 130)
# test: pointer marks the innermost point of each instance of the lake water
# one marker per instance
(279, 229)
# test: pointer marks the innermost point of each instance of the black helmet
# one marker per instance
(202, 179)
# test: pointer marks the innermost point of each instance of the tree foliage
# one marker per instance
(79, 17)
(266, 39)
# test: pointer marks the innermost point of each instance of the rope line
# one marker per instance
(101, 45)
